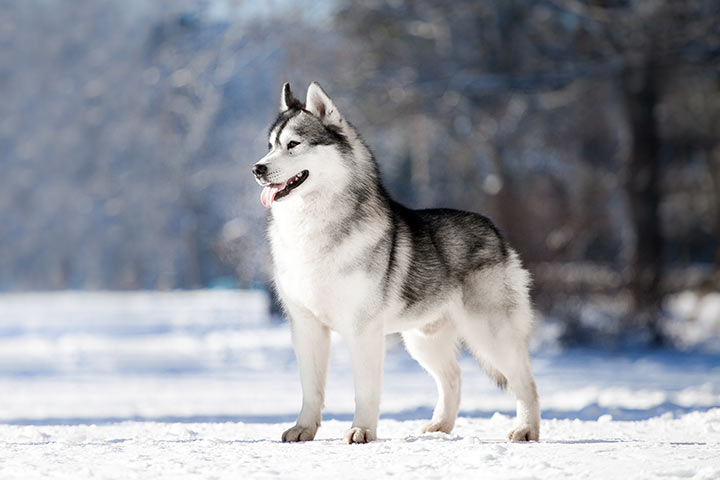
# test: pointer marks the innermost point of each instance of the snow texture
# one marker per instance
(202, 384)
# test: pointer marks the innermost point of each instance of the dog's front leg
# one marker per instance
(311, 340)
(367, 351)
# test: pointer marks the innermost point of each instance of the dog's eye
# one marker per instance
(292, 144)
(269, 146)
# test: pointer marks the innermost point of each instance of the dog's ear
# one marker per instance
(319, 104)
(288, 100)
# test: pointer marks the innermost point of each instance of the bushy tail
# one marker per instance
(495, 375)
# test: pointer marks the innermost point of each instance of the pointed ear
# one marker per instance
(288, 100)
(319, 104)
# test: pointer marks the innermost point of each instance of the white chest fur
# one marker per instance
(324, 277)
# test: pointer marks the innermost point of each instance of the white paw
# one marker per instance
(445, 427)
(299, 433)
(525, 433)
(359, 435)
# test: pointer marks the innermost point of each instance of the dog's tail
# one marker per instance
(494, 374)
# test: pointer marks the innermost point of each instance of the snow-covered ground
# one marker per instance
(202, 384)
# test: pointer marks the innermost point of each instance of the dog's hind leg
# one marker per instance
(520, 381)
(495, 327)
(503, 351)
(435, 348)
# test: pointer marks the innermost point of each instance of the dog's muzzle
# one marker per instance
(259, 170)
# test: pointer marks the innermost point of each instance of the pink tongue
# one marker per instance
(267, 196)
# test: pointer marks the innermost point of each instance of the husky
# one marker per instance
(349, 258)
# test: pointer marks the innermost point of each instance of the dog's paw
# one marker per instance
(299, 433)
(359, 435)
(525, 433)
(445, 427)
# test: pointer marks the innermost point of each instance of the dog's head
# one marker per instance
(310, 145)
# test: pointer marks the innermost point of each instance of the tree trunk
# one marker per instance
(642, 189)
(713, 156)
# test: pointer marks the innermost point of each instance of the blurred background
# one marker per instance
(589, 130)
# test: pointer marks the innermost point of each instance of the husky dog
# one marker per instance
(348, 258)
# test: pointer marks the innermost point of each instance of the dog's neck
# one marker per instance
(315, 223)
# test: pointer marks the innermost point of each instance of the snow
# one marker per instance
(696, 319)
(202, 385)
(661, 447)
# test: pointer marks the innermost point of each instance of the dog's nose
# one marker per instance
(259, 170)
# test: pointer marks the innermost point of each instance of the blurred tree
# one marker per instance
(123, 138)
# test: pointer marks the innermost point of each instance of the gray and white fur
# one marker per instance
(350, 259)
